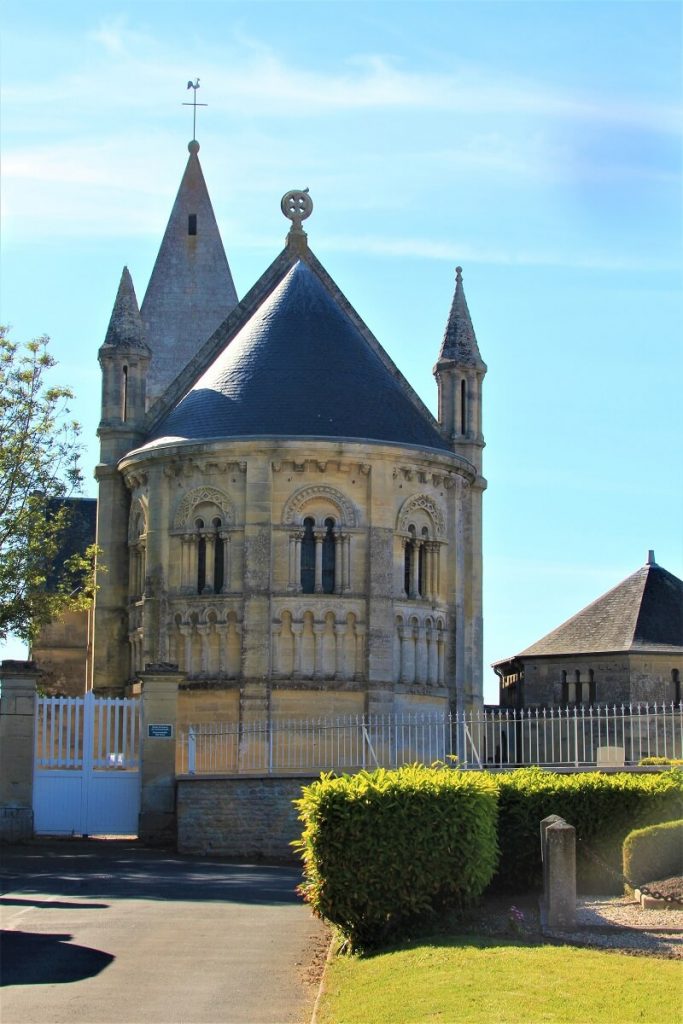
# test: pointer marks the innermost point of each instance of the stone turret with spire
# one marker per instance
(124, 358)
(459, 373)
(191, 291)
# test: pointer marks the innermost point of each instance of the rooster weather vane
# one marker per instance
(194, 105)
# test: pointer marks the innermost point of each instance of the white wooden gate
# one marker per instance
(86, 775)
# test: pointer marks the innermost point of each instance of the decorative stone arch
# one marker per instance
(315, 501)
(421, 510)
(137, 520)
(199, 496)
(319, 518)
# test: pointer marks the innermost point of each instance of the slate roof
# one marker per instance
(642, 613)
(190, 291)
(79, 534)
(299, 365)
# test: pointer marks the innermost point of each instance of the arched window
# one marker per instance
(463, 407)
(676, 680)
(328, 557)
(308, 557)
(201, 556)
(218, 558)
(422, 562)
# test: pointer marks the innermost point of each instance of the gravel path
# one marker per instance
(619, 922)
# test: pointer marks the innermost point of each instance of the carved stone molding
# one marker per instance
(294, 507)
(422, 503)
(196, 497)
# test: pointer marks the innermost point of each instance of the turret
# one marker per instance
(459, 374)
(124, 358)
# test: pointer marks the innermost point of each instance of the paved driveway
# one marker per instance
(107, 932)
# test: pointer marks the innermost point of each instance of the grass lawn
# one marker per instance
(471, 980)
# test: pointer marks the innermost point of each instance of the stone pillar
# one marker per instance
(319, 538)
(17, 716)
(159, 717)
(558, 849)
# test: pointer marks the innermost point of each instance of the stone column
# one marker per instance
(160, 683)
(338, 551)
(558, 849)
(319, 537)
(318, 632)
(17, 716)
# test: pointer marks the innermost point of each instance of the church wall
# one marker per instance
(653, 677)
(262, 635)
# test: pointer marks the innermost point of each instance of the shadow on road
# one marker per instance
(31, 958)
(127, 870)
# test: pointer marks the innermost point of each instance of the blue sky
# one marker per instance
(536, 144)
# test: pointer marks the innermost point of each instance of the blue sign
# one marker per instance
(159, 731)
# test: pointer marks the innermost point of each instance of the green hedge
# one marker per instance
(660, 761)
(602, 808)
(382, 849)
(654, 853)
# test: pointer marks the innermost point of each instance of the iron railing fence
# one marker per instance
(499, 738)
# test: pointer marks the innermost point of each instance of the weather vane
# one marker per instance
(194, 105)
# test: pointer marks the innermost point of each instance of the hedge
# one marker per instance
(662, 761)
(602, 808)
(654, 853)
(383, 849)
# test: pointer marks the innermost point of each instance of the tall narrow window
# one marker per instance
(308, 557)
(676, 680)
(565, 689)
(201, 557)
(328, 557)
(463, 407)
(218, 558)
(408, 562)
(192, 224)
(124, 394)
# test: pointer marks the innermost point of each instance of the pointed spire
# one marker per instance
(191, 291)
(460, 342)
(125, 329)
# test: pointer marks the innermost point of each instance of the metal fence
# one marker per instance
(500, 738)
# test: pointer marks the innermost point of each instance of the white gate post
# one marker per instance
(17, 725)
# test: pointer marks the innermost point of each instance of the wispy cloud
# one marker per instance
(249, 76)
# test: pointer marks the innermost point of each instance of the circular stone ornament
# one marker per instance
(297, 206)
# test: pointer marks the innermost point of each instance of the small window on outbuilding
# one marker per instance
(192, 224)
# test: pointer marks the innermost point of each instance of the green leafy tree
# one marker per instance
(39, 470)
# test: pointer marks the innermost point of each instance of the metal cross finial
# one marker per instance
(194, 105)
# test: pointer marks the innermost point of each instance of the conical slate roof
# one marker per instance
(125, 330)
(643, 612)
(460, 342)
(191, 290)
(300, 367)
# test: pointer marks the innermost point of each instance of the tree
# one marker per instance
(39, 470)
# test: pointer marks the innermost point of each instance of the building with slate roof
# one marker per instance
(280, 514)
(625, 647)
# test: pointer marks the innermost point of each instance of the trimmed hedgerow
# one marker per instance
(602, 808)
(661, 761)
(651, 854)
(383, 849)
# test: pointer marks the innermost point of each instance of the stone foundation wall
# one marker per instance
(248, 818)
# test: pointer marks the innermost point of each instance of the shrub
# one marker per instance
(602, 808)
(660, 761)
(383, 849)
(651, 854)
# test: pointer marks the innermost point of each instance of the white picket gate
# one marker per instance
(86, 775)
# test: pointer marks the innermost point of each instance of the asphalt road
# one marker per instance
(107, 932)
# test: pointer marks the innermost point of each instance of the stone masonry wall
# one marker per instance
(246, 818)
